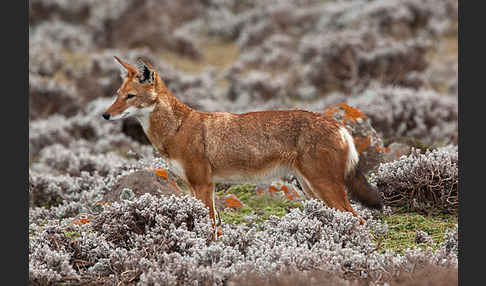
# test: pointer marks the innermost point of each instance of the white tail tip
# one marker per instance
(353, 156)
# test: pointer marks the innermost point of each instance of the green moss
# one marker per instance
(261, 207)
(402, 228)
(72, 234)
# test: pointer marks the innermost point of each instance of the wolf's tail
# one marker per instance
(361, 190)
(358, 187)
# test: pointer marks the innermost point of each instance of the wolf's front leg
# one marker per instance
(205, 193)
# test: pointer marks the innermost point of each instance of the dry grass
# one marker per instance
(444, 51)
(216, 52)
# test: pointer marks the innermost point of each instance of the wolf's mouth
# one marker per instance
(120, 116)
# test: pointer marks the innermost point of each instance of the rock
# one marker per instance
(422, 237)
(140, 182)
(232, 201)
(367, 141)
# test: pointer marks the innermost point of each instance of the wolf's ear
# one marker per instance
(125, 68)
(145, 71)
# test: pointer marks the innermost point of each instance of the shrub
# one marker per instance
(421, 182)
(402, 112)
(167, 240)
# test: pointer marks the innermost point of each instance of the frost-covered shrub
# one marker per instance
(247, 21)
(61, 252)
(54, 195)
(331, 59)
(58, 129)
(421, 181)
(75, 161)
(47, 266)
(323, 62)
(47, 190)
(154, 24)
(337, 45)
(451, 244)
(47, 97)
(255, 86)
(45, 57)
(401, 112)
(401, 19)
(167, 241)
(394, 62)
(69, 37)
(165, 222)
(58, 192)
(123, 24)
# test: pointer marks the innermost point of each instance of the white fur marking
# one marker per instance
(143, 116)
(353, 156)
(122, 115)
(123, 70)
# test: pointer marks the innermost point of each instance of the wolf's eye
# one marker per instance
(130, 95)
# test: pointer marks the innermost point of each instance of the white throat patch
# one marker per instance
(143, 116)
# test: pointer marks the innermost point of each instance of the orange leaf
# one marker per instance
(285, 189)
(84, 220)
(76, 222)
(161, 173)
(387, 149)
(272, 189)
(259, 191)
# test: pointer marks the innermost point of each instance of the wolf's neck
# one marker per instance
(161, 121)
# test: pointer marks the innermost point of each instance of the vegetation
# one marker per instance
(256, 208)
(402, 224)
(403, 228)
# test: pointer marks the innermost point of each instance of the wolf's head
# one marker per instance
(138, 92)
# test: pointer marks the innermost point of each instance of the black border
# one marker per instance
(472, 196)
(15, 129)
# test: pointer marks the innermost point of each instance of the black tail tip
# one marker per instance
(378, 205)
(374, 200)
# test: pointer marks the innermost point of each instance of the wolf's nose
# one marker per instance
(106, 115)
